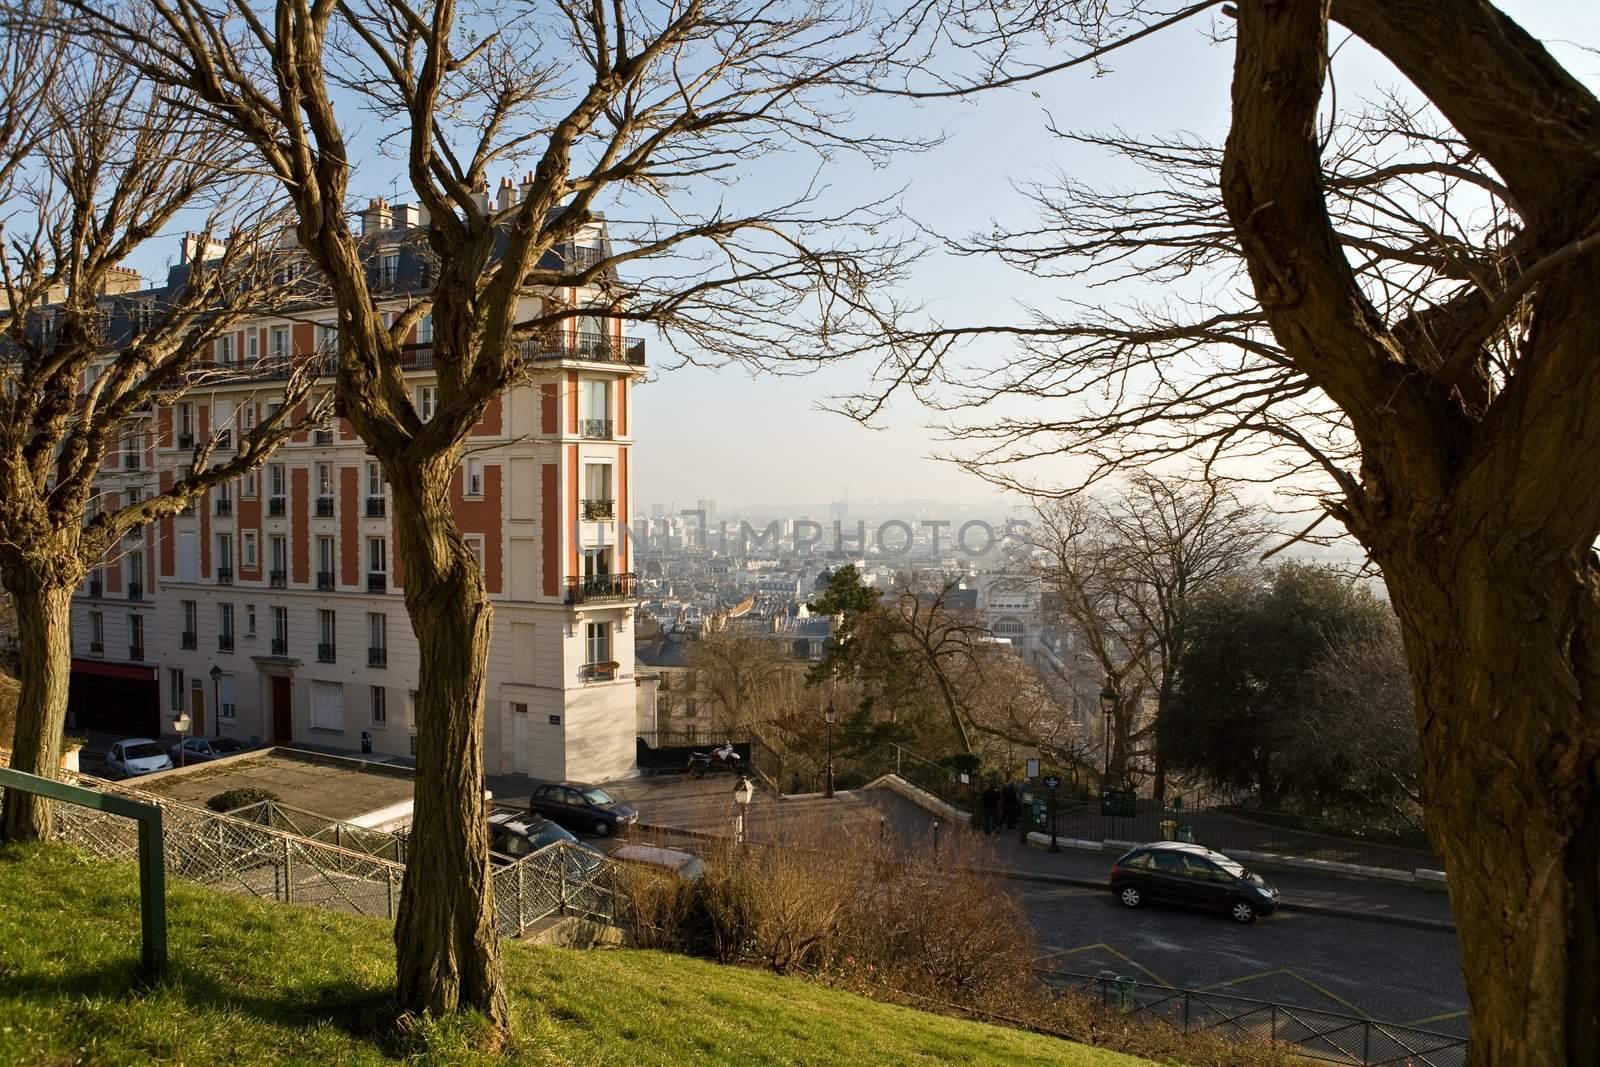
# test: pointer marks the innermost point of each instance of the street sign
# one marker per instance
(1033, 768)
(1052, 783)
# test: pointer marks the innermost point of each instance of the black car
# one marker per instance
(582, 808)
(514, 833)
(1173, 872)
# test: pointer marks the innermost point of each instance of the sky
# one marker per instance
(748, 439)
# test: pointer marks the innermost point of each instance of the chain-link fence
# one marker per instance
(263, 858)
(280, 816)
(1317, 1035)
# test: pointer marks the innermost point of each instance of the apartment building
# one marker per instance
(273, 610)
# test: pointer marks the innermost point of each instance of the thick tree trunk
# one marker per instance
(447, 956)
(1505, 652)
(44, 630)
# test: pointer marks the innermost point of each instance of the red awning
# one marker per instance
(127, 671)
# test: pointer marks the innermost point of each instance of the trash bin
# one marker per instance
(1169, 829)
(1125, 987)
(1186, 833)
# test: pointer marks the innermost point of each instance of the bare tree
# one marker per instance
(93, 163)
(747, 678)
(654, 108)
(1409, 301)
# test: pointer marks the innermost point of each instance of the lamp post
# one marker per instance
(828, 716)
(742, 794)
(216, 701)
(180, 723)
(1108, 704)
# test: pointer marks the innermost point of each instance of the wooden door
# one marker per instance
(197, 711)
(282, 711)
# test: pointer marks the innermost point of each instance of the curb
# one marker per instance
(1414, 921)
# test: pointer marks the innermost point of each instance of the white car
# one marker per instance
(136, 756)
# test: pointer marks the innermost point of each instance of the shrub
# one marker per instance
(234, 799)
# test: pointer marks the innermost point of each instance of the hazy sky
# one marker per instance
(752, 439)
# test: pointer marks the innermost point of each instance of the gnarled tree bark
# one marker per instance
(44, 630)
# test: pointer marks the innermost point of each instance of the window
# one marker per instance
(374, 480)
(377, 630)
(136, 637)
(175, 684)
(248, 492)
(252, 345)
(280, 342)
(280, 631)
(327, 706)
(225, 494)
(225, 348)
(227, 698)
(475, 546)
(325, 479)
(249, 620)
(389, 266)
(225, 620)
(427, 399)
(280, 555)
(380, 706)
(594, 408)
(191, 617)
(185, 420)
(135, 573)
(519, 709)
(425, 329)
(225, 552)
(377, 556)
(598, 643)
(278, 480)
(327, 628)
(97, 631)
(247, 545)
(474, 479)
(247, 414)
(327, 337)
(325, 561)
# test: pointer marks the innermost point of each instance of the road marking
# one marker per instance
(1297, 977)
(1129, 960)
(1445, 1017)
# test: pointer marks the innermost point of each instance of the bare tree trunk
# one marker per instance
(447, 956)
(1513, 800)
(44, 628)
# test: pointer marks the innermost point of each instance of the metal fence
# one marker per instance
(380, 843)
(1315, 1034)
(238, 855)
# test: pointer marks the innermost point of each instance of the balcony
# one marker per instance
(224, 642)
(599, 510)
(595, 429)
(377, 657)
(597, 588)
(136, 652)
(324, 507)
(135, 590)
(277, 506)
(224, 575)
(325, 581)
(189, 639)
(97, 648)
(130, 461)
(377, 583)
(97, 587)
(322, 437)
(280, 646)
(224, 507)
(325, 654)
(224, 440)
(375, 507)
(587, 347)
(185, 439)
(601, 672)
(278, 579)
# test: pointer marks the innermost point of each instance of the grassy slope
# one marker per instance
(256, 982)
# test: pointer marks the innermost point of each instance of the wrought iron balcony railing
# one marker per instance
(598, 587)
(278, 579)
(224, 642)
(377, 657)
(595, 429)
(377, 583)
(375, 507)
(326, 654)
(135, 590)
(599, 510)
(224, 575)
(324, 507)
(325, 580)
(189, 639)
(277, 506)
(224, 506)
(280, 646)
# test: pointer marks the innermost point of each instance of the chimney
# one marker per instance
(377, 217)
(405, 216)
(199, 248)
(507, 194)
(480, 195)
(527, 186)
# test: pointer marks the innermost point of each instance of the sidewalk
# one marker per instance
(1341, 897)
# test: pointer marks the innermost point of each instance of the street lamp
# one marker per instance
(180, 723)
(1108, 704)
(216, 700)
(828, 716)
(742, 794)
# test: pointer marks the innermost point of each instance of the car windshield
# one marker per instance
(597, 796)
(143, 751)
(549, 835)
(1232, 867)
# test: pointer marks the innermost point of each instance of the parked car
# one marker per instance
(134, 756)
(672, 861)
(582, 808)
(206, 749)
(1175, 872)
(514, 833)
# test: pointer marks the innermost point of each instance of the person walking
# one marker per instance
(1011, 805)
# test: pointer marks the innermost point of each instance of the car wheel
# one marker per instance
(1130, 897)
(602, 828)
(1242, 912)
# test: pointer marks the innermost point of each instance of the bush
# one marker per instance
(234, 799)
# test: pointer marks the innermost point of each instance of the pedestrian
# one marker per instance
(994, 805)
(986, 809)
(1011, 805)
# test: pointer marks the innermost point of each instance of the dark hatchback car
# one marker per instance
(1173, 872)
(582, 808)
(514, 834)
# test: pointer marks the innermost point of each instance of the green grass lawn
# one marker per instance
(254, 982)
